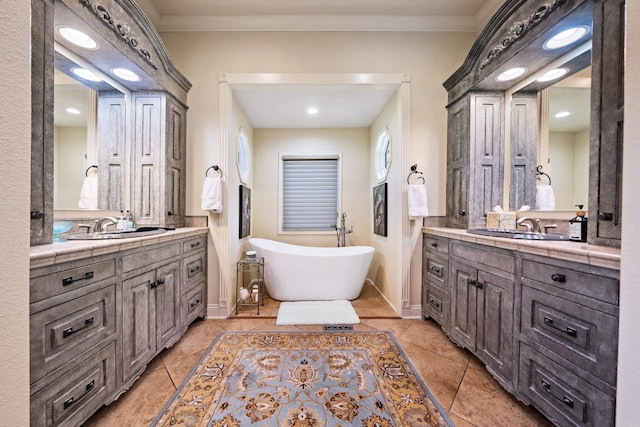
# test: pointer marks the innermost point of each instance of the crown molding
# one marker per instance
(442, 23)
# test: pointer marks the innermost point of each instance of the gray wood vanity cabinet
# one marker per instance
(546, 328)
(474, 159)
(96, 322)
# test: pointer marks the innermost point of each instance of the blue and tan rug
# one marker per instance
(306, 379)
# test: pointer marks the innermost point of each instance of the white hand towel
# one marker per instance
(417, 201)
(89, 193)
(545, 200)
(212, 194)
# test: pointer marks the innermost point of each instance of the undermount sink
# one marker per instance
(114, 234)
(518, 234)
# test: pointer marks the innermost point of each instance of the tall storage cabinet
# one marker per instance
(474, 159)
(607, 122)
(159, 160)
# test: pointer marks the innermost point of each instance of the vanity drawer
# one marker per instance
(435, 244)
(436, 304)
(196, 244)
(147, 258)
(580, 334)
(575, 278)
(495, 258)
(67, 330)
(193, 305)
(561, 393)
(436, 269)
(48, 282)
(194, 272)
(71, 399)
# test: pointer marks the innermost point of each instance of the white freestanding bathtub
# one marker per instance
(305, 273)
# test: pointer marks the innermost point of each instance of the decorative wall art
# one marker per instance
(380, 209)
(245, 211)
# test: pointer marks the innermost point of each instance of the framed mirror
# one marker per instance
(91, 171)
(382, 156)
(243, 156)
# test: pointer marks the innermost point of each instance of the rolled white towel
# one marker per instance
(212, 194)
(545, 199)
(89, 193)
(417, 201)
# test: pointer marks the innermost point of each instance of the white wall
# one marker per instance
(628, 410)
(351, 144)
(430, 58)
(386, 267)
(15, 170)
(569, 168)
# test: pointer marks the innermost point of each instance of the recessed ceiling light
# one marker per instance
(510, 74)
(562, 114)
(553, 74)
(85, 74)
(78, 38)
(566, 37)
(126, 74)
(312, 110)
(72, 110)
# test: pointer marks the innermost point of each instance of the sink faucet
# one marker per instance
(532, 227)
(103, 223)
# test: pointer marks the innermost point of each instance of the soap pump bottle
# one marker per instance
(122, 222)
(578, 226)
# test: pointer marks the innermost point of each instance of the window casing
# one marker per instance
(309, 193)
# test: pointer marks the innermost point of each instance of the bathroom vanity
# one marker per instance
(100, 311)
(541, 315)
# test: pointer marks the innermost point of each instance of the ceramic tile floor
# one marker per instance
(460, 383)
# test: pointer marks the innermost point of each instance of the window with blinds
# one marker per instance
(309, 193)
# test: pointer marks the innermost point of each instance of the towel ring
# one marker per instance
(414, 170)
(215, 168)
(539, 172)
(86, 173)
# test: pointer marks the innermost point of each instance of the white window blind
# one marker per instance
(309, 194)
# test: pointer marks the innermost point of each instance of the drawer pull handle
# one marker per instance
(568, 330)
(169, 213)
(435, 269)
(69, 280)
(195, 244)
(605, 216)
(195, 303)
(195, 269)
(70, 331)
(157, 283)
(561, 278)
(37, 214)
(434, 303)
(70, 401)
(471, 282)
(479, 285)
(434, 244)
(567, 401)
(462, 213)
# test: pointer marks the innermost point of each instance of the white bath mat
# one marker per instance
(316, 313)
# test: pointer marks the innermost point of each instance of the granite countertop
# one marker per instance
(44, 255)
(600, 256)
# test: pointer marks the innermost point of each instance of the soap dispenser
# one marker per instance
(578, 226)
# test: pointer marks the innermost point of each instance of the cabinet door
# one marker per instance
(167, 289)
(138, 322)
(42, 28)
(148, 150)
(495, 322)
(175, 164)
(607, 122)
(112, 146)
(486, 163)
(464, 294)
(458, 164)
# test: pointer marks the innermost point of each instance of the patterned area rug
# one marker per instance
(306, 379)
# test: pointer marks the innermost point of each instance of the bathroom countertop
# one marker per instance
(600, 256)
(54, 253)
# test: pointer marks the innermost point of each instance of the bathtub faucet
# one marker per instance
(342, 230)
